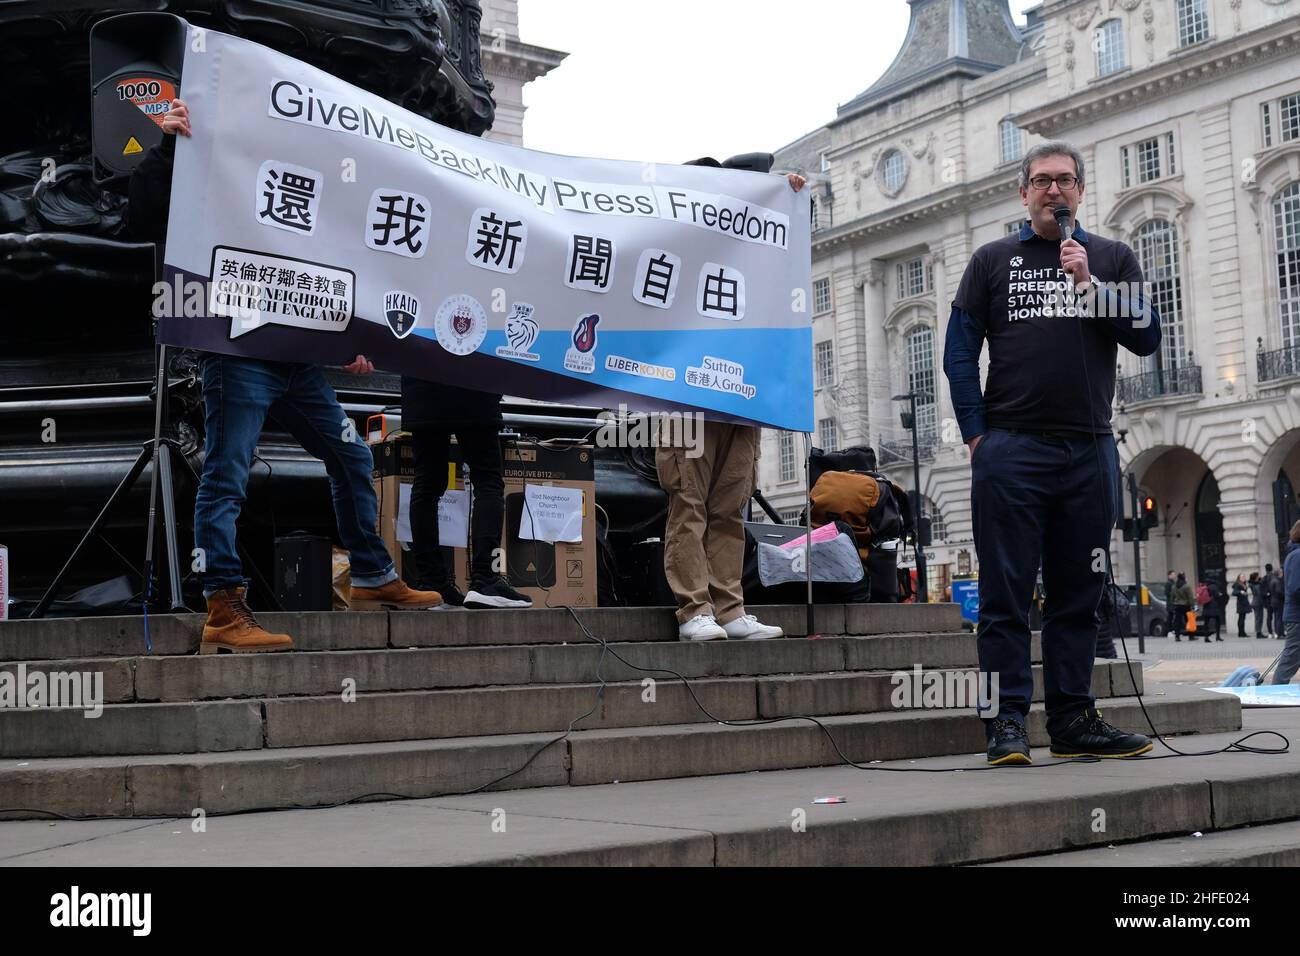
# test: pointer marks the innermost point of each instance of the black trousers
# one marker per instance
(481, 450)
(1241, 623)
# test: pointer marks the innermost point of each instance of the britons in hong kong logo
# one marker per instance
(461, 324)
(521, 334)
(402, 310)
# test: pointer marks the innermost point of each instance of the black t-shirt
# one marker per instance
(1038, 378)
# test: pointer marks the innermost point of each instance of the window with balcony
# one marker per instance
(1156, 245)
(1286, 223)
(920, 379)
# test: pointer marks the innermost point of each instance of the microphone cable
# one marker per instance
(1062, 222)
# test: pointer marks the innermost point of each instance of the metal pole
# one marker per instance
(922, 586)
(1137, 562)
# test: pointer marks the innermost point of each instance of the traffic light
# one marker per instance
(1150, 516)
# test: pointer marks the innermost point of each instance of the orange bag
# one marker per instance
(1191, 622)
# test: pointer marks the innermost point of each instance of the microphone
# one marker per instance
(1064, 220)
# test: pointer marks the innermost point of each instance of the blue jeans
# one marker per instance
(238, 394)
(1035, 498)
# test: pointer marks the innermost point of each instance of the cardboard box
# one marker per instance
(395, 467)
(553, 575)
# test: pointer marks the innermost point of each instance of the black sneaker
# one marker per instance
(495, 593)
(1008, 743)
(451, 595)
(1090, 736)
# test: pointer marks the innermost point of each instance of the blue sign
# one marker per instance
(967, 594)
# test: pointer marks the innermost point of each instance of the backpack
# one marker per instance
(1202, 594)
(868, 503)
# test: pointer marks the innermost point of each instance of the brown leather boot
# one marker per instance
(394, 595)
(231, 627)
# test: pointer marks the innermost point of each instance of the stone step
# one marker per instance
(320, 776)
(211, 677)
(376, 713)
(78, 638)
(1270, 845)
(931, 818)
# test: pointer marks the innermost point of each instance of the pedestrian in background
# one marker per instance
(1242, 594)
(1276, 598)
(1182, 598)
(1289, 662)
(1256, 586)
(1207, 596)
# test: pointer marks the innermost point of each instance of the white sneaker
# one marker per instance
(701, 627)
(748, 627)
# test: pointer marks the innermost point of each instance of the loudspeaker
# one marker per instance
(529, 563)
(304, 572)
(135, 73)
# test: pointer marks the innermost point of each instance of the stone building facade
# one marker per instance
(1188, 116)
(511, 65)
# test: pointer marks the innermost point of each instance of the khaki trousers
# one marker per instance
(704, 542)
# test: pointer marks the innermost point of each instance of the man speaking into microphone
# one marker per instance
(1054, 302)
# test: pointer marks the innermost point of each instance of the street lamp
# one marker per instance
(1122, 424)
(908, 419)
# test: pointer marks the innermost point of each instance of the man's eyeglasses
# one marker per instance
(1045, 182)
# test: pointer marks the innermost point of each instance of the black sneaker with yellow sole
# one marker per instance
(1008, 743)
(1090, 736)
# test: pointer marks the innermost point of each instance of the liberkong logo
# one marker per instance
(402, 310)
(579, 357)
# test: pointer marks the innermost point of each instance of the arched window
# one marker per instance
(1286, 222)
(893, 171)
(1011, 140)
(1108, 41)
(1157, 250)
(920, 378)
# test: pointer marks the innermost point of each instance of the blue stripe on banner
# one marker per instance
(763, 354)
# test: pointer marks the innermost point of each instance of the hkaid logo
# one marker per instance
(75, 909)
(402, 310)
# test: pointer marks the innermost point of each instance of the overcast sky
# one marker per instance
(670, 80)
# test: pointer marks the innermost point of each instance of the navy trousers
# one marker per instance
(1049, 501)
